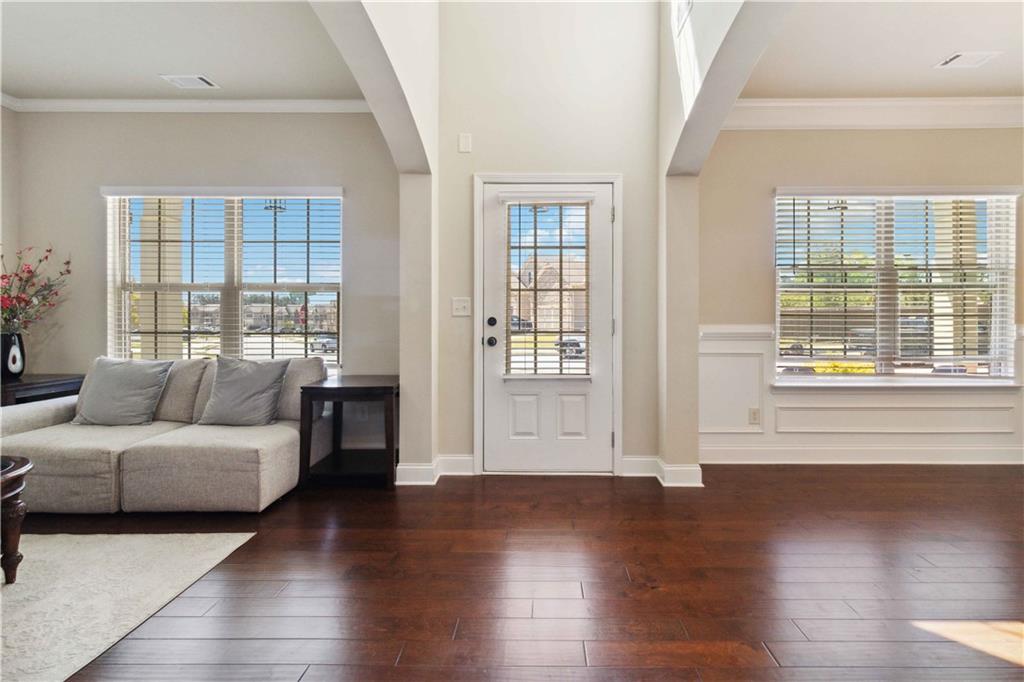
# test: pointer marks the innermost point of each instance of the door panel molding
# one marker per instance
(480, 180)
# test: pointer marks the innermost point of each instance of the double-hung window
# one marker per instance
(918, 285)
(251, 277)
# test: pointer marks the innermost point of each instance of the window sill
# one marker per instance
(546, 377)
(831, 383)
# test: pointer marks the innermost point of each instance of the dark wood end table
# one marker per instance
(32, 387)
(12, 512)
(341, 463)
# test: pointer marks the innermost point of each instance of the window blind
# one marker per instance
(915, 285)
(247, 277)
(547, 323)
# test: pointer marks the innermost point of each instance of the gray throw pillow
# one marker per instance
(121, 392)
(245, 393)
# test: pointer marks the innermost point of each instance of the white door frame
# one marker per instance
(481, 179)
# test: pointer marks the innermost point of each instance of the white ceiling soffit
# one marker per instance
(752, 29)
(890, 49)
(876, 113)
(353, 32)
(255, 51)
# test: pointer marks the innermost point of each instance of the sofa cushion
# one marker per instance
(301, 371)
(245, 392)
(203, 393)
(76, 466)
(206, 467)
(120, 392)
(179, 397)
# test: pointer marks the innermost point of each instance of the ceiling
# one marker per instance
(257, 50)
(861, 49)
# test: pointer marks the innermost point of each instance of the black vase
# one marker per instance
(14, 356)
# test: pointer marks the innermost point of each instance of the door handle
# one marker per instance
(491, 341)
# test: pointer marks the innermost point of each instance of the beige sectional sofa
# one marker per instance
(172, 464)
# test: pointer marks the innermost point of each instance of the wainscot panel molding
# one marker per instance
(895, 419)
(844, 425)
(825, 454)
(736, 332)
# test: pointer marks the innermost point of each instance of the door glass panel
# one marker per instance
(547, 325)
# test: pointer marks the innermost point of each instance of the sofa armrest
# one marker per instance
(31, 416)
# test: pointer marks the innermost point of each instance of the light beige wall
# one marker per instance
(550, 88)
(66, 158)
(9, 154)
(737, 276)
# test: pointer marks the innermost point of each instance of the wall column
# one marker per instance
(417, 346)
(678, 331)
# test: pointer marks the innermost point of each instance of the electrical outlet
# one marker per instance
(754, 415)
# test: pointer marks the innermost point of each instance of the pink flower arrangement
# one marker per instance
(26, 293)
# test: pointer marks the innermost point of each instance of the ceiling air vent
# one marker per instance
(966, 60)
(190, 82)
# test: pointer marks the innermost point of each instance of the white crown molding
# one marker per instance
(876, 113)
(191, 106)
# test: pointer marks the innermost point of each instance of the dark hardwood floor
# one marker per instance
(767, 573)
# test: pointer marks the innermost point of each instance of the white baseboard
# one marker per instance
(641, 466)
(670, 475)
(427, 474)
(453, 465)
(861, 455)
(415, 474)
(681, 476)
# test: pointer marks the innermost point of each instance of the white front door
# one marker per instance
(547, 327)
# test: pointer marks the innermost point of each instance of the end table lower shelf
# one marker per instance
(349, 463)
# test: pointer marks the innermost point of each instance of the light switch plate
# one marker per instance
(460, 306)
(465, 143)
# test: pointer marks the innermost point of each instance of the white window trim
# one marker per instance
(889, 382)
(313, 192)
(779, 382)
(115, 256)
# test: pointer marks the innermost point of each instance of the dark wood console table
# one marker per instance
(12, 482)
(347, 463)
(32, 387)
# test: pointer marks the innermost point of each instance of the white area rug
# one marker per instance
(78, 594)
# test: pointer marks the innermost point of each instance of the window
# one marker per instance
(548, 313)
(246, 277)
(895, 285)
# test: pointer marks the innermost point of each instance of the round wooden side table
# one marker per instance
(12, 512)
